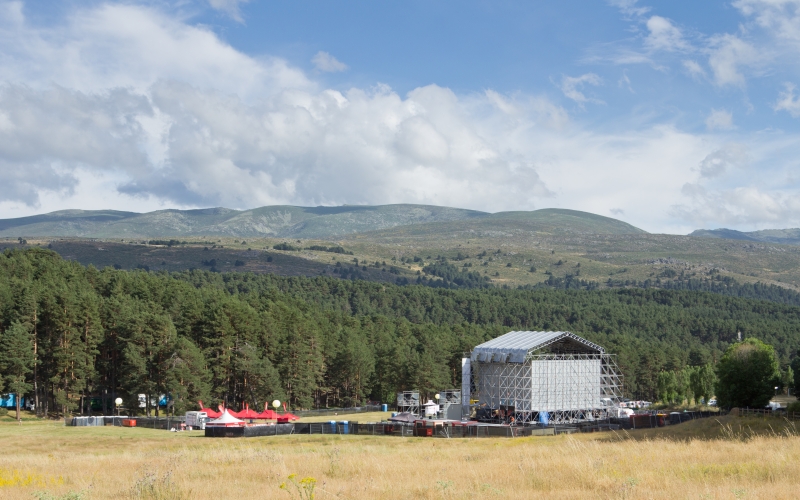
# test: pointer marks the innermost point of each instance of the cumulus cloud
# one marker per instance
(663, 35)
(327, 63)
(186, 120)
(571, 86)
(719, 119)
(787, 101)
(132, 46)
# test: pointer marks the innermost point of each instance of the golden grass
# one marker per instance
(749, 460)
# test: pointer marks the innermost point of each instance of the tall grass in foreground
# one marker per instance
(729, 458)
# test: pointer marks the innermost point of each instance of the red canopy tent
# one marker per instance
(286, 417)
(247, 413)
(267, 414)
(211, 413)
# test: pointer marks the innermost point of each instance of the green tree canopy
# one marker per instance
(747, 375)
(16, 360)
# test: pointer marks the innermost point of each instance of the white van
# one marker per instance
(196, 420)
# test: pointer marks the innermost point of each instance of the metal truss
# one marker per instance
(557, 388)
(408, 401)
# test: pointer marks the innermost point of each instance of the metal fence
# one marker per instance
(165, 423)
(758, 412)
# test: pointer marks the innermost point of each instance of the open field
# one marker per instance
(741, 458)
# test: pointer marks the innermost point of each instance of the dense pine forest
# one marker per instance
(241, 337)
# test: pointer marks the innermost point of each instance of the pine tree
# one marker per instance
(16, 360)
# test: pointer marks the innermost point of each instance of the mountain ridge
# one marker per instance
(289, 221)
(790, 236)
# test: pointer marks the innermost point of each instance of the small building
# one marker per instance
(544, 377)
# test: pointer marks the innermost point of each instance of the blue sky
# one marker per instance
(669, 115)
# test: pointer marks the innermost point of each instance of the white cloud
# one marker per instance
(625, 82)
(728, 53)
(719, 119)
(185, 120)
(326, 62)
(629, 7)
(663, 35)
(718, 162)
(570, 86)
(694, 69)
(230, 7)
(781, 18)
(740, 206)
(787, 101)
(132, 46)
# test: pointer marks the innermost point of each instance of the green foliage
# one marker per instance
(241, 337)
(285, 246)
(796, 369)
(787, 378)
(168, 243)
(336, 249)
(452, 277)
(747, 375)
(793, 407)
(702, 380)
(16, 359)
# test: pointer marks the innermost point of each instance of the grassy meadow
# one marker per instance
(714, 458)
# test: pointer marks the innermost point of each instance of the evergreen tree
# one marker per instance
(16, 361)
(188, 379)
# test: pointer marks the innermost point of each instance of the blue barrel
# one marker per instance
(384, 407)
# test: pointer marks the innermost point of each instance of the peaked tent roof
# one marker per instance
(513, 347)
(226, 420)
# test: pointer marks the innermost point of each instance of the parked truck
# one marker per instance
(196, 420)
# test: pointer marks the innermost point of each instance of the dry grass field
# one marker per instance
(729, 458)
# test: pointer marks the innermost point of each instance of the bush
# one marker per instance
(3, 412)
(793, 407)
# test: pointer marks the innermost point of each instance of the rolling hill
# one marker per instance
(300, 222)
(780, 236)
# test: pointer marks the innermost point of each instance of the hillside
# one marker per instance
(301, 222)
(780, 236)
(549, 247)
(274, 221)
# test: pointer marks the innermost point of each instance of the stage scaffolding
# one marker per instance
(408, 401)
(556, 377)
(450, 404)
